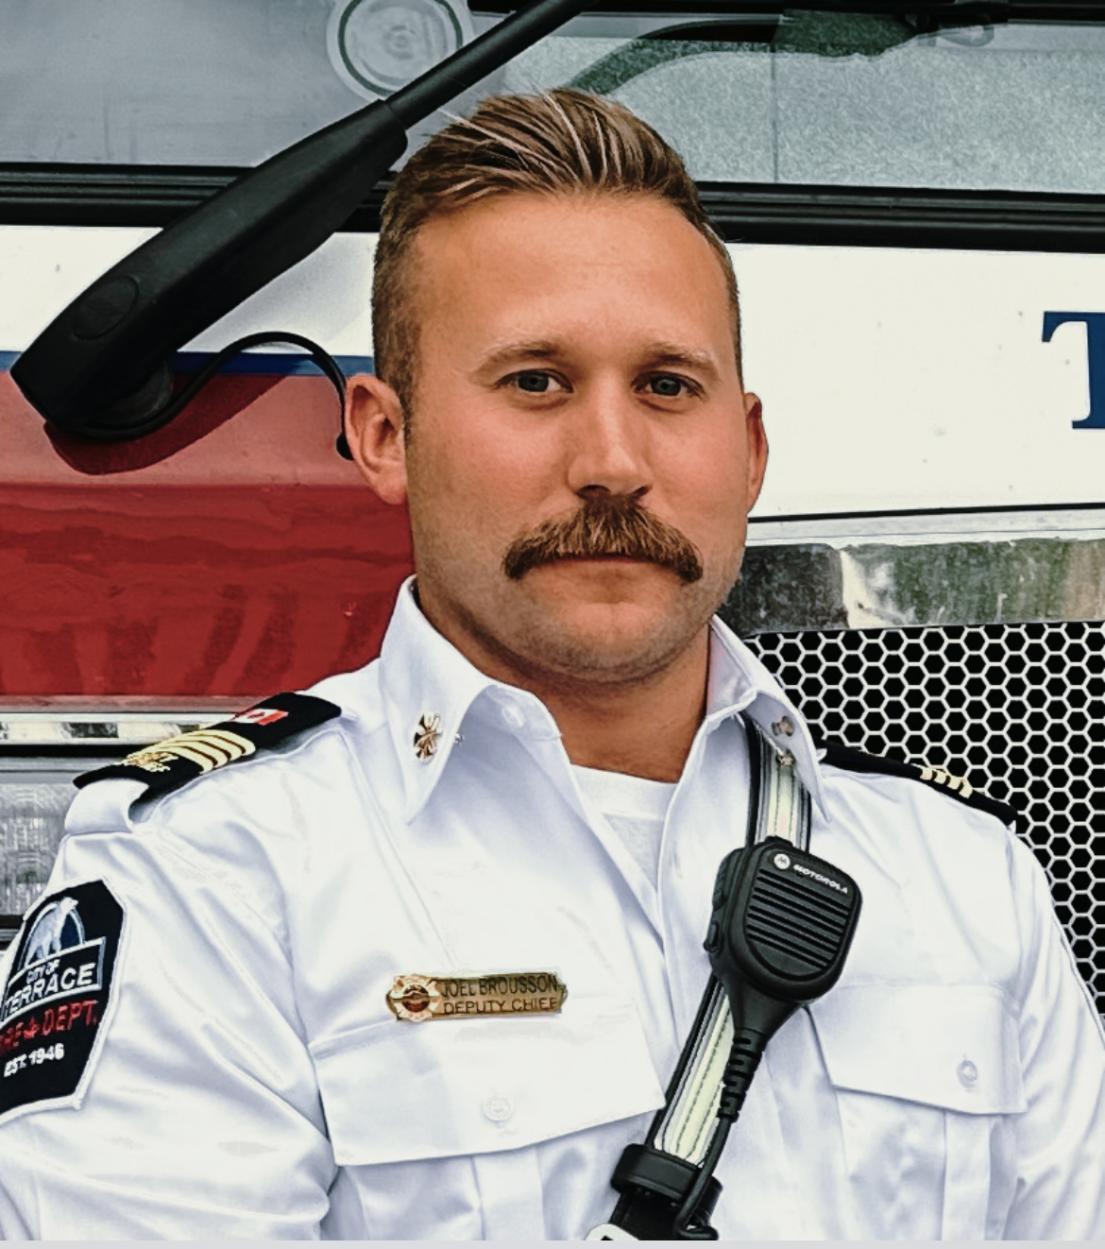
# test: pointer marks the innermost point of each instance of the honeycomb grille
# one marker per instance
(1018, 709)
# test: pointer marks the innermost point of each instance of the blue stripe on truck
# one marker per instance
(286, 365)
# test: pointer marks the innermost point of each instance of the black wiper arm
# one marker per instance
(824, 28)
(850, 28)
(101, 368)
(941, 12)
(937, 14)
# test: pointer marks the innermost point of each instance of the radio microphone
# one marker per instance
(780, 929)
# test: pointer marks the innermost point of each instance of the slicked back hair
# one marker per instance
(559, 142)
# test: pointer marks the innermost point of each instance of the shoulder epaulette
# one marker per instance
(169, 764)
(846, 757)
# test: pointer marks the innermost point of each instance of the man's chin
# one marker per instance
(611, 636)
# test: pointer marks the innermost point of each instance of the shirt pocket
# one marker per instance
(444, 1120)
(928, 1084)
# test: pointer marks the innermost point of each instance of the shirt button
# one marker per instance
(498, 1109)
(783, 727)
(967, 1073)
(513, 717)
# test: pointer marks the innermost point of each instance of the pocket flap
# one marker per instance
(946, 1045)
(396, 1091)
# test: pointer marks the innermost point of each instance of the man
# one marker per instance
(532, 788)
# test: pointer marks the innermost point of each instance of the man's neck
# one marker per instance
(641, 726)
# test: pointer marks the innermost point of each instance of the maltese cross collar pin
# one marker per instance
(427, 735)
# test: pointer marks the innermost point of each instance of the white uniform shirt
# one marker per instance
(252, 1082)
(635, 808)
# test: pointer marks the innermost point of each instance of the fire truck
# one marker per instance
(914, 198)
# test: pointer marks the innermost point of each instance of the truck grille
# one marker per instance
(1018, 709)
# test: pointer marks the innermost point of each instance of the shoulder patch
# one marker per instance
(58, 997)
(177, 760)
(839, 756)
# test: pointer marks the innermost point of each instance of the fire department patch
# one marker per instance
(57, 996)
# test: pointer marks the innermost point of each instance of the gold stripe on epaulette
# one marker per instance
(937, 776)
(206, 748)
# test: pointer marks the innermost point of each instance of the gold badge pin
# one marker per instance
(413, 998)
(427, 735)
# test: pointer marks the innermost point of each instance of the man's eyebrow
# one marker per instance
(688, 357)
(657, 353)
(539, 348)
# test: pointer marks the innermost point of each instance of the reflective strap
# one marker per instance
(782, 809)
(689, 1116)
(784, 806)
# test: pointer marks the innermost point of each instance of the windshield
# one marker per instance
(805, 98)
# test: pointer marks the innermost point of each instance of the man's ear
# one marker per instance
(756, 437)
(374, 431)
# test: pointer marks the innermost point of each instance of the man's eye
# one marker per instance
(669, 385)
(531, 381)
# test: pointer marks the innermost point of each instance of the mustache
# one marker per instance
(606, 525)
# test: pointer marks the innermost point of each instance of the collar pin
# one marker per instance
(427, 735)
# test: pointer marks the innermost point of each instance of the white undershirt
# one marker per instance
(634, 808)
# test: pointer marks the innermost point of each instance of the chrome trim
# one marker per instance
(839, 577)
(24, 729)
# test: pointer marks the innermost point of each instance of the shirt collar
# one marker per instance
(429, 688)
(740, 683)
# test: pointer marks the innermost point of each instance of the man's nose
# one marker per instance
(608, 445)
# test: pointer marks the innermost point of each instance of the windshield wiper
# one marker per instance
(822, 28)
(938, 13)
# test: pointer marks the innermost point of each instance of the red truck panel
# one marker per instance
(227, 556)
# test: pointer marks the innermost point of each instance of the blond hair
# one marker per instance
(562, 141)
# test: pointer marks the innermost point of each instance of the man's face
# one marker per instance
(548, 377)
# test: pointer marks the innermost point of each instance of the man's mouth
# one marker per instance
(624, 559)
(628, 561)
